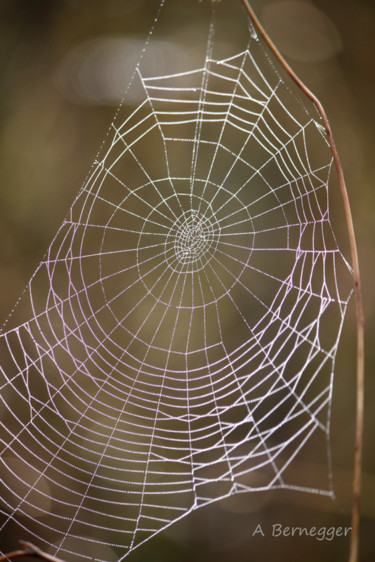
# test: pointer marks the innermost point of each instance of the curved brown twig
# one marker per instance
(28, 549)
(353, 556)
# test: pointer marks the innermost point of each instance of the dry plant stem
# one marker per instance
(31, 550)
(353, 556)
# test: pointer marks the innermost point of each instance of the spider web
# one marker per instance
(181, 332)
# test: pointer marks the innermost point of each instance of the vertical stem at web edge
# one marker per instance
(354, 540)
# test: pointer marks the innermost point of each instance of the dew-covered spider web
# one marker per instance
(176, 345)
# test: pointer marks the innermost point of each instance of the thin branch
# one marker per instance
(31, 550)
(353, 556)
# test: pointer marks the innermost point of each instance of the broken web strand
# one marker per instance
(354, 546)
(199, 269)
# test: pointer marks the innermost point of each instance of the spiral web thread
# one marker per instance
(183, 327)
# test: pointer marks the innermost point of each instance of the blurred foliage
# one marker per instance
(48, 139)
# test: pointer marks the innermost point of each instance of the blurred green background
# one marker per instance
(57, 98)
